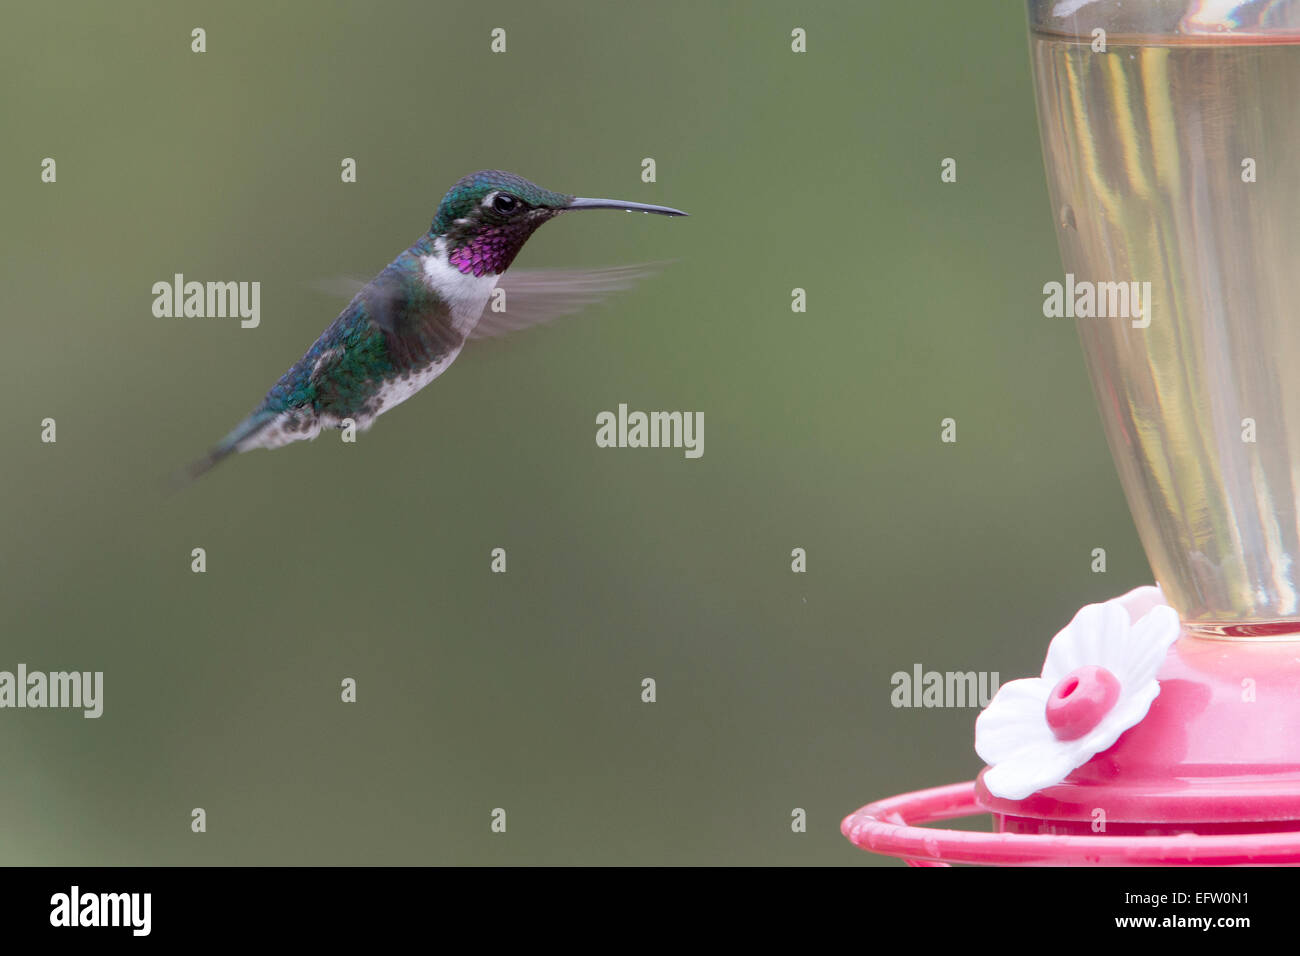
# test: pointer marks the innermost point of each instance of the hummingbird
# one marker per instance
(406, 326)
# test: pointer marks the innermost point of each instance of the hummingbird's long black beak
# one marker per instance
(580, 203)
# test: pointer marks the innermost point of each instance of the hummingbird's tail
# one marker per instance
(235, 441)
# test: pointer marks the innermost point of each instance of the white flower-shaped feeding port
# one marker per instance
(1099, 680)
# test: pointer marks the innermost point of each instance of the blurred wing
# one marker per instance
(386, 302)
(381, 297)
(345, 287)
(539, 296)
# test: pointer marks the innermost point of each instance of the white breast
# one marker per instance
(467, 295)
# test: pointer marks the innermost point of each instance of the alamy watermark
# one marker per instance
(651, 430)
(922, 688)
(1101, 300)
(208, 300)
(75, 909)
(78, 690)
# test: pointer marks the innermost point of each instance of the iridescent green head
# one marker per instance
(488, 216)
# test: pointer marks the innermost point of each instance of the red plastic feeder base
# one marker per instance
(1211, 777)
(889, 827)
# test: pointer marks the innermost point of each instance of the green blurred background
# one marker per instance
(325, 561)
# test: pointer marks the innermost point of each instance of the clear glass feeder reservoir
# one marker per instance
(1171, 139)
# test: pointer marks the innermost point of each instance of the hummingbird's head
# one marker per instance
(487, 217)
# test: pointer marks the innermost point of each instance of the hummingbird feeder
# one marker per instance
(1164, 728)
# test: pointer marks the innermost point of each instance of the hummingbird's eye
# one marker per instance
(504, 202)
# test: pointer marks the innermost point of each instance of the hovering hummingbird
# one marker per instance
(408, 324)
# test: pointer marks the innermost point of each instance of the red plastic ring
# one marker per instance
(887, 827)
